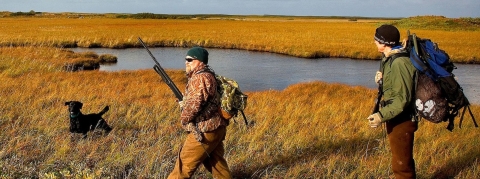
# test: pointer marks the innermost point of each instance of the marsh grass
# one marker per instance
(306, 38)
(31, 58)
(308, 130)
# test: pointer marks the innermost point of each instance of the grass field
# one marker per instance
(308, 130)
(314, 38)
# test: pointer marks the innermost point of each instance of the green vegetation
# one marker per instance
(439, 23)
(156, 16)
(31, 13)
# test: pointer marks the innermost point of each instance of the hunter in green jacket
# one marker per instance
(397, 110)
(398, 89)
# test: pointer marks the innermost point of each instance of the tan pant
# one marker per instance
(194, 153)
(401, 135)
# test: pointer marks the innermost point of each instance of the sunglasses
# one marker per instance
(189, 59)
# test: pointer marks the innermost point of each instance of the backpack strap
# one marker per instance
(403, 54)
(244, 118)
(210, 70)
(415, 80)
(471, 114)
(473, 118)
(416, 116)
(397, 55)
(421, 64)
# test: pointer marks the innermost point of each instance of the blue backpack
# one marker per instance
(438, 95)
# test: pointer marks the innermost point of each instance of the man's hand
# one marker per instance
(180, 103)
(374, 120)
(378, 77)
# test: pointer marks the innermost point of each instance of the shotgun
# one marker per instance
(158, 68)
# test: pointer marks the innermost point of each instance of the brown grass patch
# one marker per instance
(309, 130)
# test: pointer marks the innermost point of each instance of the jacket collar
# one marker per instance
(395, 50)
(200, 68)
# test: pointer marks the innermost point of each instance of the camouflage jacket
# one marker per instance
(201, 106)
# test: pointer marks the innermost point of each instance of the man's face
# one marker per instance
(191, 64)
(380, 47)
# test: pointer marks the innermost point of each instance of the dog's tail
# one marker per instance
(104, 110)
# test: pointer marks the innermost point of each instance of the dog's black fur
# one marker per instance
(81, 123)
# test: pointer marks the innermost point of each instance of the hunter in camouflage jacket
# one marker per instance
(201, 105)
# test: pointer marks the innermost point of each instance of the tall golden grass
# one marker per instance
(309, 130)
(309, 39)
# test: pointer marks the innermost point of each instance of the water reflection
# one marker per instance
(262, 71)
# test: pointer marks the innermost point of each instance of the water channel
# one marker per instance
(256, 71)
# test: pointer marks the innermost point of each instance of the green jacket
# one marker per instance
(398, 86)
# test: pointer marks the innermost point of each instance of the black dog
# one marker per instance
(80, 123)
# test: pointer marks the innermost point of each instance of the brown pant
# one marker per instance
(401, 135)
(194, 153)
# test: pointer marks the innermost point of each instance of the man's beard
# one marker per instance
(188, 68)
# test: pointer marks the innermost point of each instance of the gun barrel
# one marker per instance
(169, 82)
(158, 68)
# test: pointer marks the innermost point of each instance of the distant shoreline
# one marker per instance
(147, 15)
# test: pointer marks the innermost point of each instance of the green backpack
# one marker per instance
(232, 100)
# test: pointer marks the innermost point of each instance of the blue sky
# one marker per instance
(365, 8)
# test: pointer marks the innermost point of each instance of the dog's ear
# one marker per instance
(81, 105)
(67, 103)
